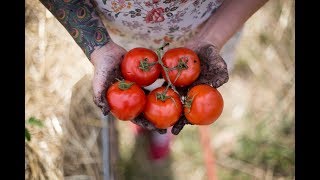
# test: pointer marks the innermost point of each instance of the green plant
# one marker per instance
(33, 122)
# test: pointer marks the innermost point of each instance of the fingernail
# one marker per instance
(175, 131)
(105, 112)
(162, 131)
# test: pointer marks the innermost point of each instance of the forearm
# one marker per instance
(228, 19)
(81, 20)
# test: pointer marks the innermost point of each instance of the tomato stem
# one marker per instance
(188, 102)
(162, 47)
(162, 96)
(179, 73)
(124, 85)
(145, 65)
(182, 65)
(174, 101)
(159, 52)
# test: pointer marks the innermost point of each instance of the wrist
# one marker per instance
(198, 45)
(106, 53)
(96, 57)
(212, 36)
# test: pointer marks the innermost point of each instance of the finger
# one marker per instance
(220, 79)
(221, 73)
(102, 104)
(176, 129)
(213, 68)
(142, 122)
(99, 89)
(183, 90)
(161, 131)
(105, 106)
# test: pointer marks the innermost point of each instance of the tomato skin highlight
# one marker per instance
(130, 66)
(163, 114)
(206, 107)
(188, 76)
(126, 104)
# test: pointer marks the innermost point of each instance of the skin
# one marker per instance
(106, 61)
(218, 29)
(130, 66)
(106, 56)
(182, 77)
(226, 21)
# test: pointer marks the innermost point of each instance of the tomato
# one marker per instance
(163, 113)
(204, 105)
(140, 65)
(126, 100)
(184, 60)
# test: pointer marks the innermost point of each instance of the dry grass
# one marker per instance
(260, 94)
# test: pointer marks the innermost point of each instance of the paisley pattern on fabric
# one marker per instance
(81, 20)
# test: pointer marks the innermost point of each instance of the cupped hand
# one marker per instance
(106, 61)
(214, 69)
(214, 72)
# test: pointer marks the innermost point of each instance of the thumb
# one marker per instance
(178, 126)
(99, 92)
(142, 122)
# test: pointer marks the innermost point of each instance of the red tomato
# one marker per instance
(184, 59)
(204, 105)
(140, 65)
(126, 100)
(163, 113)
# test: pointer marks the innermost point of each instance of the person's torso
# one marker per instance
(151, 23)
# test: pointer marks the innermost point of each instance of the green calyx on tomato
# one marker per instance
(188, 102)
(182, 65)
(124, 85)
(145, 65)
(206, 106)
(163, 114)
(125, 99)
(162, 96)
(140, 65)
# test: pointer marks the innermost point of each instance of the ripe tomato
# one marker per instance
(164, 112)
(126, 100)
(204, 105)
(184, 60)
(140, 65)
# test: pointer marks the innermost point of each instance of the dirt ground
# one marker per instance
(253, 139)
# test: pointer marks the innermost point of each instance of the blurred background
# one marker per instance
(253, 139)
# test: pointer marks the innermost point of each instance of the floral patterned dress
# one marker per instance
(150, 23)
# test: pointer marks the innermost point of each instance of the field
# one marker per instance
(253, 139)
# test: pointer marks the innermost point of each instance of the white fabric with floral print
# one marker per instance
(149, 24)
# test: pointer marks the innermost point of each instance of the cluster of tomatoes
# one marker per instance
(163, 106)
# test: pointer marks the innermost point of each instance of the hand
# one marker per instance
(144, 123)
(106, 61)
(214, 69)
(214, 72)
